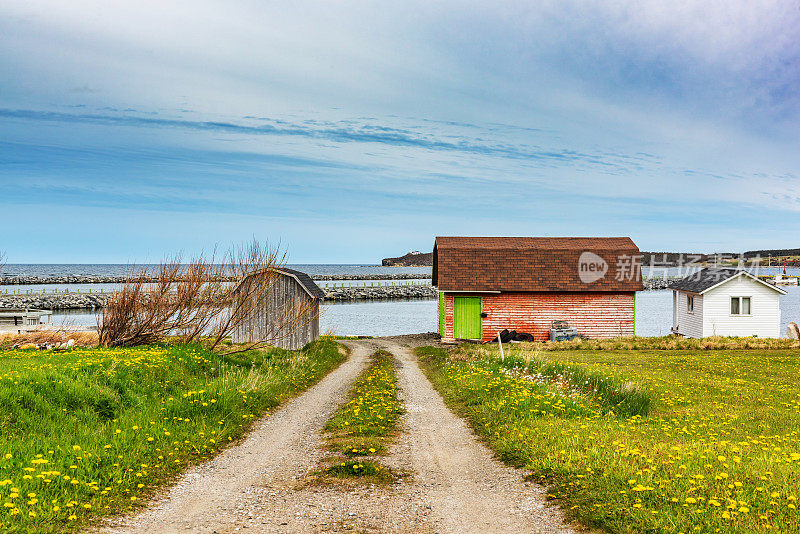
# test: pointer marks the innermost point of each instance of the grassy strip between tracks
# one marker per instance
(362, 429)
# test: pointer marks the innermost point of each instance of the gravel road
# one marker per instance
(262, 485)
(467, 489)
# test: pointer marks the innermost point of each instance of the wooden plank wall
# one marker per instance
(285, 293)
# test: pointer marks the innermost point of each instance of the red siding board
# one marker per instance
(597, 315)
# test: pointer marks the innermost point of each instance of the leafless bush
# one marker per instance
(195, 302)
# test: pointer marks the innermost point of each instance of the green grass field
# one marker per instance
(364, 426)
(90, 432)
(642, 440)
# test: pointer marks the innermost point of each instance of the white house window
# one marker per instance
(689, 304)
(740, 305)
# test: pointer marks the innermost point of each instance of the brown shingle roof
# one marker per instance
(533, 263)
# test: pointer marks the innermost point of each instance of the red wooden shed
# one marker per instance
(487, 284)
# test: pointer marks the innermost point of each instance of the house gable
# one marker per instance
(763, 319)
(746, 275)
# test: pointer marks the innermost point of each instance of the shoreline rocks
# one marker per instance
(654, 284)
(379, 293)
(61, 301)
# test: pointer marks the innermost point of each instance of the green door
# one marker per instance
(467, 318)
(442, 314)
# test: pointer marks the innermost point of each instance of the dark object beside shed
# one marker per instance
(287, 293)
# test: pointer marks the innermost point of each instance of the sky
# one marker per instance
(345, 132)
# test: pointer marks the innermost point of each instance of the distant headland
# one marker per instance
(414, 258)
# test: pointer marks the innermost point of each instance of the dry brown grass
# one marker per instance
(82, 339)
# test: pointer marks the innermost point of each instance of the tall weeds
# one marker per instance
(622, 397)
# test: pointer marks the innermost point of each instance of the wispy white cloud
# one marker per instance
(580, 114)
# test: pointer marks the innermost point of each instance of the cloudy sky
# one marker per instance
(350, 131)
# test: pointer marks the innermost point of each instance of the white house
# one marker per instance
(725, 302)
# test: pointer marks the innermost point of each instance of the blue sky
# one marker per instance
(351, 131)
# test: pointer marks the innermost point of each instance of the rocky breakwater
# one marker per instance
(653, 284)
(380, 293)
(388, 276)
(34, 280)
(37, 280)
(61, 301)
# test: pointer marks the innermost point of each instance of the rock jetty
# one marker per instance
(380, 293)
(395, 276)
(652, 284)
(36, 280)
(60, 301)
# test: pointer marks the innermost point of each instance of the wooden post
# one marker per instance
(500, 344)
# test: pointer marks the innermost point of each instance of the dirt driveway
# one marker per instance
(260, 485)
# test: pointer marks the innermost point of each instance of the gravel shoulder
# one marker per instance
(266, 483)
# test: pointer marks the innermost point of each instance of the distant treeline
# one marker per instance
(674, 258)
(678, 258)
(773, 252)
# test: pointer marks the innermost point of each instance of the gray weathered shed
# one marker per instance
(288, 292)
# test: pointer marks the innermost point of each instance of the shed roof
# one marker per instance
(302, 278)
(308, 284)
(711, 277)
(534, 264)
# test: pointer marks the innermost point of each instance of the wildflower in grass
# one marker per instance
(78, 471)
(716, 445)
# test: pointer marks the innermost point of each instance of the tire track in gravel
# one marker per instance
(280, 449)
(454, 475)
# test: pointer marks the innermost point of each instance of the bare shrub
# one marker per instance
(179, 302)
(200, 301)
